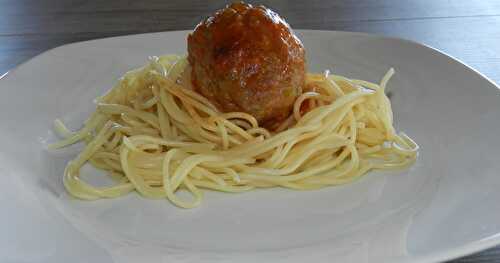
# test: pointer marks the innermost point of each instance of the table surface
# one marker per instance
(467, 30)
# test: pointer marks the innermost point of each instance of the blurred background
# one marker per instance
(467, 30)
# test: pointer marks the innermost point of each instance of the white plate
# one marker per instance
(445, 206)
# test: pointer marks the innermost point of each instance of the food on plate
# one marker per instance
(247, 59)
(238, 113)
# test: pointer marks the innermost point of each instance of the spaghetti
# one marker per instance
(153, 134)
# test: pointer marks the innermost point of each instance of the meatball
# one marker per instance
(246, 58)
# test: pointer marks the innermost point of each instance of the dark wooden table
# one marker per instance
(468, 30)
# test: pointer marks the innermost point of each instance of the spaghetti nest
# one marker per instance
(153, 134)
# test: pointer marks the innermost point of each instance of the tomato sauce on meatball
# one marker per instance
(246, 58)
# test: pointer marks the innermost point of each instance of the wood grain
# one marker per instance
(467, 30)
